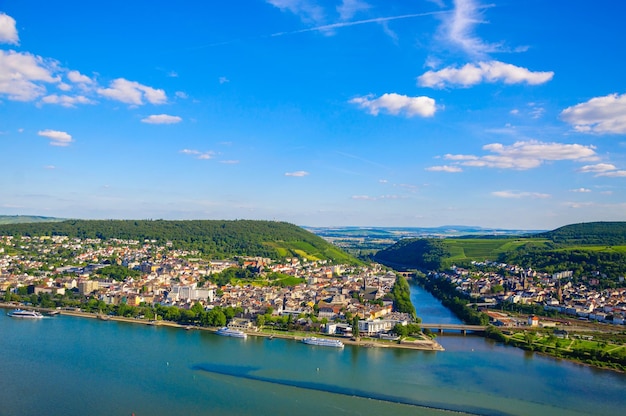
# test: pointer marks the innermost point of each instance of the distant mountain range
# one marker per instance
(397, 233)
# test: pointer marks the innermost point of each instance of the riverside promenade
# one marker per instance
(424, 343)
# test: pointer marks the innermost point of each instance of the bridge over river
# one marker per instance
(455, 327)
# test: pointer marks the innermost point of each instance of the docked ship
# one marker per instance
(335, 343)
(228, 332)
(19, 313)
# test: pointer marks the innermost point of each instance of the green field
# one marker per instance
(465, 250)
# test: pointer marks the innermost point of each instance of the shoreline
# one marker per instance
(420, 345)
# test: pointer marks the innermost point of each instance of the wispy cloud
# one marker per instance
(603, 169)
(525, 155)
(161, 119)
(66, 100)
(602, 115)
(57, 138)
(458, 29)
(198, 154)
(489, 71)
(397, 104)
(297, 174)
(376, 198)
(581, 190)
(331, 27)
(520, 195)
(306, 10)
(444, 168)
(348, 8)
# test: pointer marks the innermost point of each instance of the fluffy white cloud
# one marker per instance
(78, 78)
(57, 138)
(518, 195)
(8, 32)
(525, 155)
(131, 92)
(22, 75)
(161, 119)
(397, 104)
(613, 174)
(603, 115)
(66, 100)
(298, 174)
(489, 71)
(581, 190)
(445, 168)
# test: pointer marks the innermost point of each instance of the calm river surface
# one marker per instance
(76, 366)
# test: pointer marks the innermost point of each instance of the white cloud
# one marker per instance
(306, 10)
(78, 78)
(181, 94)
(581, 190)
(57, 138)
(8, 32)
(376, 198)
(396, 104)
(198, 154)
(223, 80)
(613, 174)
(348, 8)
(603, 115)
(445, 168)
(298, 174)
(131, 92)
(488, 71)
(458, 28)
(66, 100)
(525, 155)
(21, 75)
(600, 167)
(519, 195)
(161, 119)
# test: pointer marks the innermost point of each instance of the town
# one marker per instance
(319, 294)
(492, 283)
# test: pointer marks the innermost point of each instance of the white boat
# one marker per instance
(19, 313)
(324, 342)
(227, 332)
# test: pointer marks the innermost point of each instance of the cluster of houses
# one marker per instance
(496, 283)
(179, 278)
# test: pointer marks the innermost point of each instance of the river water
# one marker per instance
(77, 366)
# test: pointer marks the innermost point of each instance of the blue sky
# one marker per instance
(506, 114)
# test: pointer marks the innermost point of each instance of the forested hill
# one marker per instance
(589, 233)
(216, 238)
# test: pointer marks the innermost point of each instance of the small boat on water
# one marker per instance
(335, 343)
(228, 332)
(20, 313)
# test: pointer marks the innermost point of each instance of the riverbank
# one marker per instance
(419, 344)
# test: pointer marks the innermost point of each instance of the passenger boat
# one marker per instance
(228, 332)
(19, 313)
(335, 343)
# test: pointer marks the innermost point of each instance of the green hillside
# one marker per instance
(589, 248)
(218, 239)
(589, 233)
(21, 219)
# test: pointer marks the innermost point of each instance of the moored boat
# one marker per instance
(20, 313)
(228, 332)
(324, 342)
